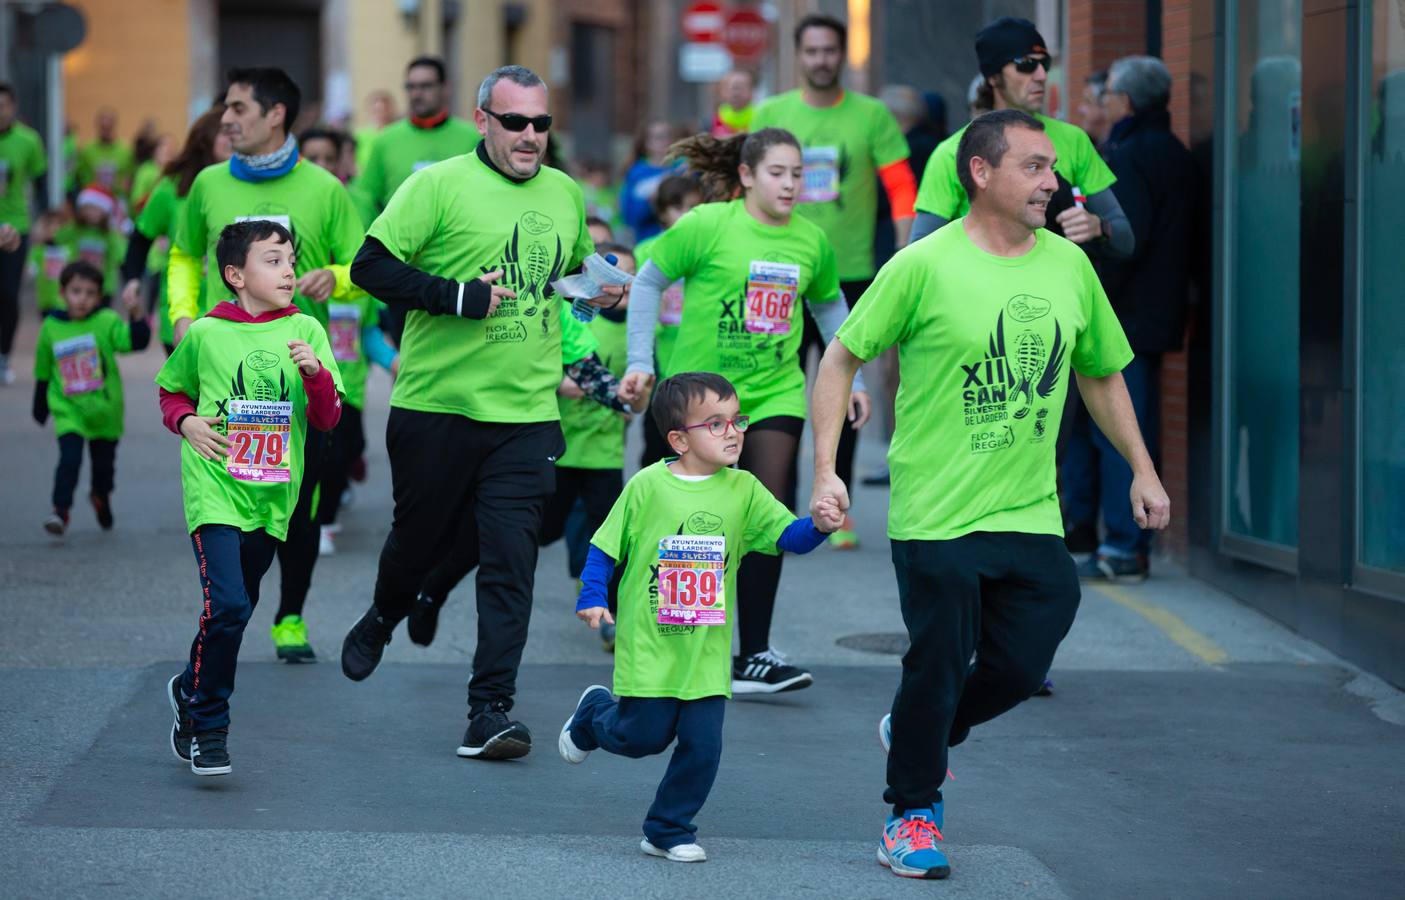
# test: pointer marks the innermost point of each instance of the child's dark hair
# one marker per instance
(592, 221)
(81, 269)
(674, 190)
(612, 247)
(238, 237)
(336, 138)
(715, 160)
(674, 395)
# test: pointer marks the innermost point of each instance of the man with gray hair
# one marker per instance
(466, 251)
(1156, 185)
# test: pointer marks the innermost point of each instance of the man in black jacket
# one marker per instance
(1155, 186)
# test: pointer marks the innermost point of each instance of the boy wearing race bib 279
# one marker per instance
(241, 388)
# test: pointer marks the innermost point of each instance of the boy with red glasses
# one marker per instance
(681, 525)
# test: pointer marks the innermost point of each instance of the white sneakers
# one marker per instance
(681, 853)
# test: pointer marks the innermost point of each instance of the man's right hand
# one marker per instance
(635, 388)
(496, 296)
(831, 486)
(131, 294)
(200, 433)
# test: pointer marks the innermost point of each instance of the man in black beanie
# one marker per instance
(1015, 63)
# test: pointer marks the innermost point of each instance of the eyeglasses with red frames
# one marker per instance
(718, 427)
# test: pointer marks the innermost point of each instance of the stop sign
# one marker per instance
(746, 33)
(702, 22)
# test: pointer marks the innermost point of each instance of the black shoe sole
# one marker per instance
(353, 664)
(510, 743)
(760, 688)
(296, 655)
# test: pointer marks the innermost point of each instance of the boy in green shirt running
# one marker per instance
(241, 389)
(681, 525)
(76, 379)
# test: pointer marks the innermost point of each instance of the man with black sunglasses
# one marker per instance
(466, 251)
(1015, 63)
(429, 135)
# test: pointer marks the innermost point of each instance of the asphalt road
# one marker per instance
(1193, 747)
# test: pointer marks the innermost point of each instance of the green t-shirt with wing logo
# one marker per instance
(79, 361)
(221, 361)
(1075, 158)
(843, 146)
(683, 661)
(984, 344)
(743, 284)
(595, 433)
(459, 220)
(402, 149)
(309, 201)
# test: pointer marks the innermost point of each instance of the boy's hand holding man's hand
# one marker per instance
(595, 615)
(301, 353)
(827, 515)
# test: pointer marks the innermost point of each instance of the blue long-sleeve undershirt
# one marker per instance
(378, 349)
(800, 536)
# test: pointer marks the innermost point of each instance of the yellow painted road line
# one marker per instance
(1185, 637)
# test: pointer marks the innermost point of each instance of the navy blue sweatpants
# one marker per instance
(232, 563)
(645, 726)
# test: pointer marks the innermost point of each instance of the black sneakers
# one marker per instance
(365, 643)
(102, 505)
(424, 619)
(767, 672)
(181, 730)
(492, 735)
(209, 752)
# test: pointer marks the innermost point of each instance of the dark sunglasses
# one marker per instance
(519, 122)
(1026, 65)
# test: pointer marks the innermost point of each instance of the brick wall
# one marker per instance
(1100, 31)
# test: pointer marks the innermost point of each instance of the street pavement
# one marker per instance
(1192, 748)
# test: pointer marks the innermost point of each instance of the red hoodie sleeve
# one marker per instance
(323, 402)
(174, 407)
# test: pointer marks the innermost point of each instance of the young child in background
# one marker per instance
(241, 389)
(92, 237)
(682, 526)
(592, 468)
(76, 380)
(47, 258)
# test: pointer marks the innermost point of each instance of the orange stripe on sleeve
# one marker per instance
(901, 186)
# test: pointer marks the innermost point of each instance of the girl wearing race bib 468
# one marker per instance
(747, 263)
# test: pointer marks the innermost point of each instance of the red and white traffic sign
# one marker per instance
(746, 33)
(703, 22)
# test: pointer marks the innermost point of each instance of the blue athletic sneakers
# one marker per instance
(909, 847)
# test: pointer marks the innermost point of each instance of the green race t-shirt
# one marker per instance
(346, 322)
(110, 165)
(309, 201)
(1076, 159)
(670, 308)
(743, 284)
(79, 361)
(736, 515)
(243, 368)
(402, 149)
(47, 261)
(143, 180)
(159, 218)
(459, 220)
(21, 161)
(844, 146)
(100, 247)
(595, 433)
(984, 344)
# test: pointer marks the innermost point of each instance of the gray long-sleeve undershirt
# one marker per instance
(643, 317)
(1121, 241)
